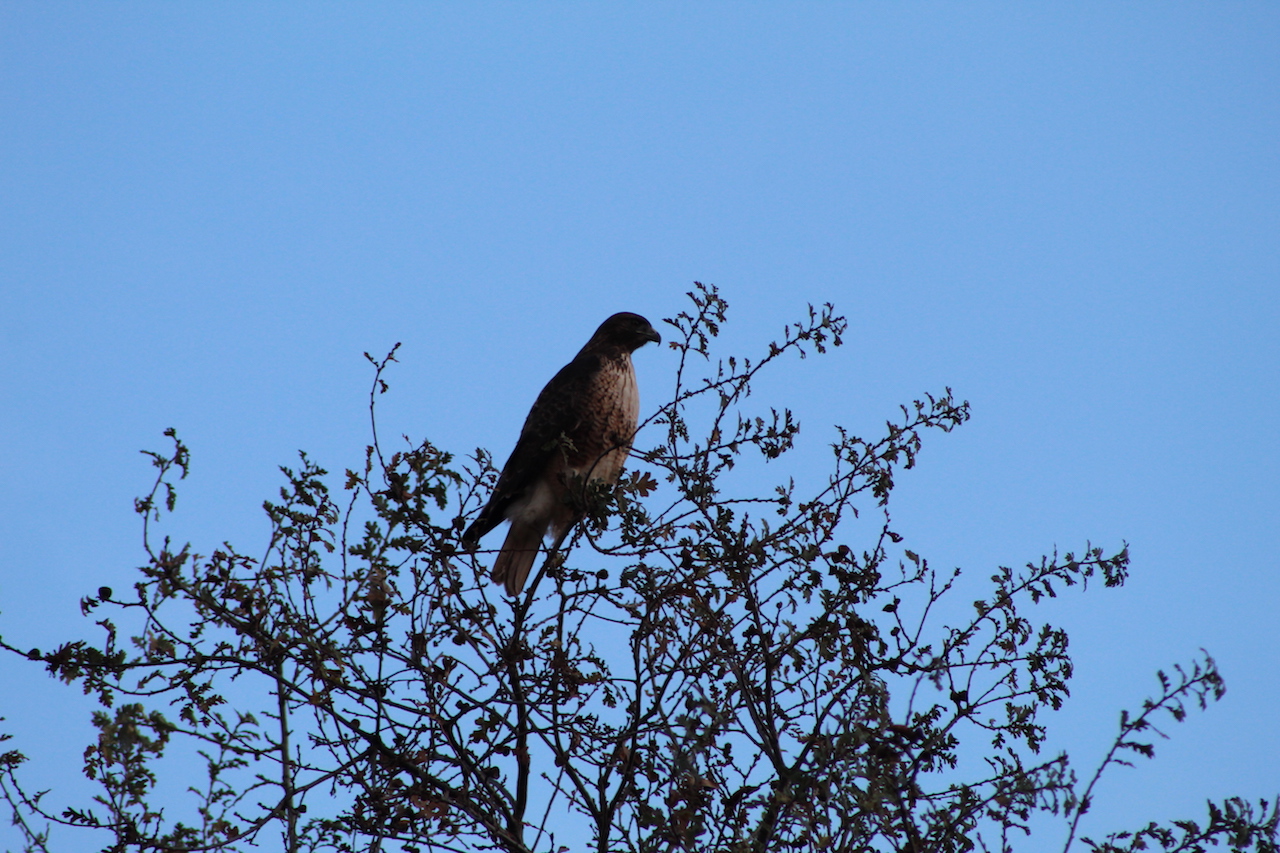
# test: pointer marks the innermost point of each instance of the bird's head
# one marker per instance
(627, 331)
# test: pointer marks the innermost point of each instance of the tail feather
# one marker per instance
(518, 553)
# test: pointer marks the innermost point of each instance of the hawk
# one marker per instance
(578, 431)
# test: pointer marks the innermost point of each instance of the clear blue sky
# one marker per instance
(1070, 213)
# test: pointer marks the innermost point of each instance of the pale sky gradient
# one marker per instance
(1069, 213)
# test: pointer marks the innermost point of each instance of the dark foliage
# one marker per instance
(707, 665)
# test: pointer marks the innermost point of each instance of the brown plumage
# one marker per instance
(579, 430)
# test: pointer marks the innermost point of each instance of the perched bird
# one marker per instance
(579, 431)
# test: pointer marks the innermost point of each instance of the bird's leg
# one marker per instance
(553, 553)
(555, 557)
(553, 560)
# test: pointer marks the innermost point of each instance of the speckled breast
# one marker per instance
(603, 437)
